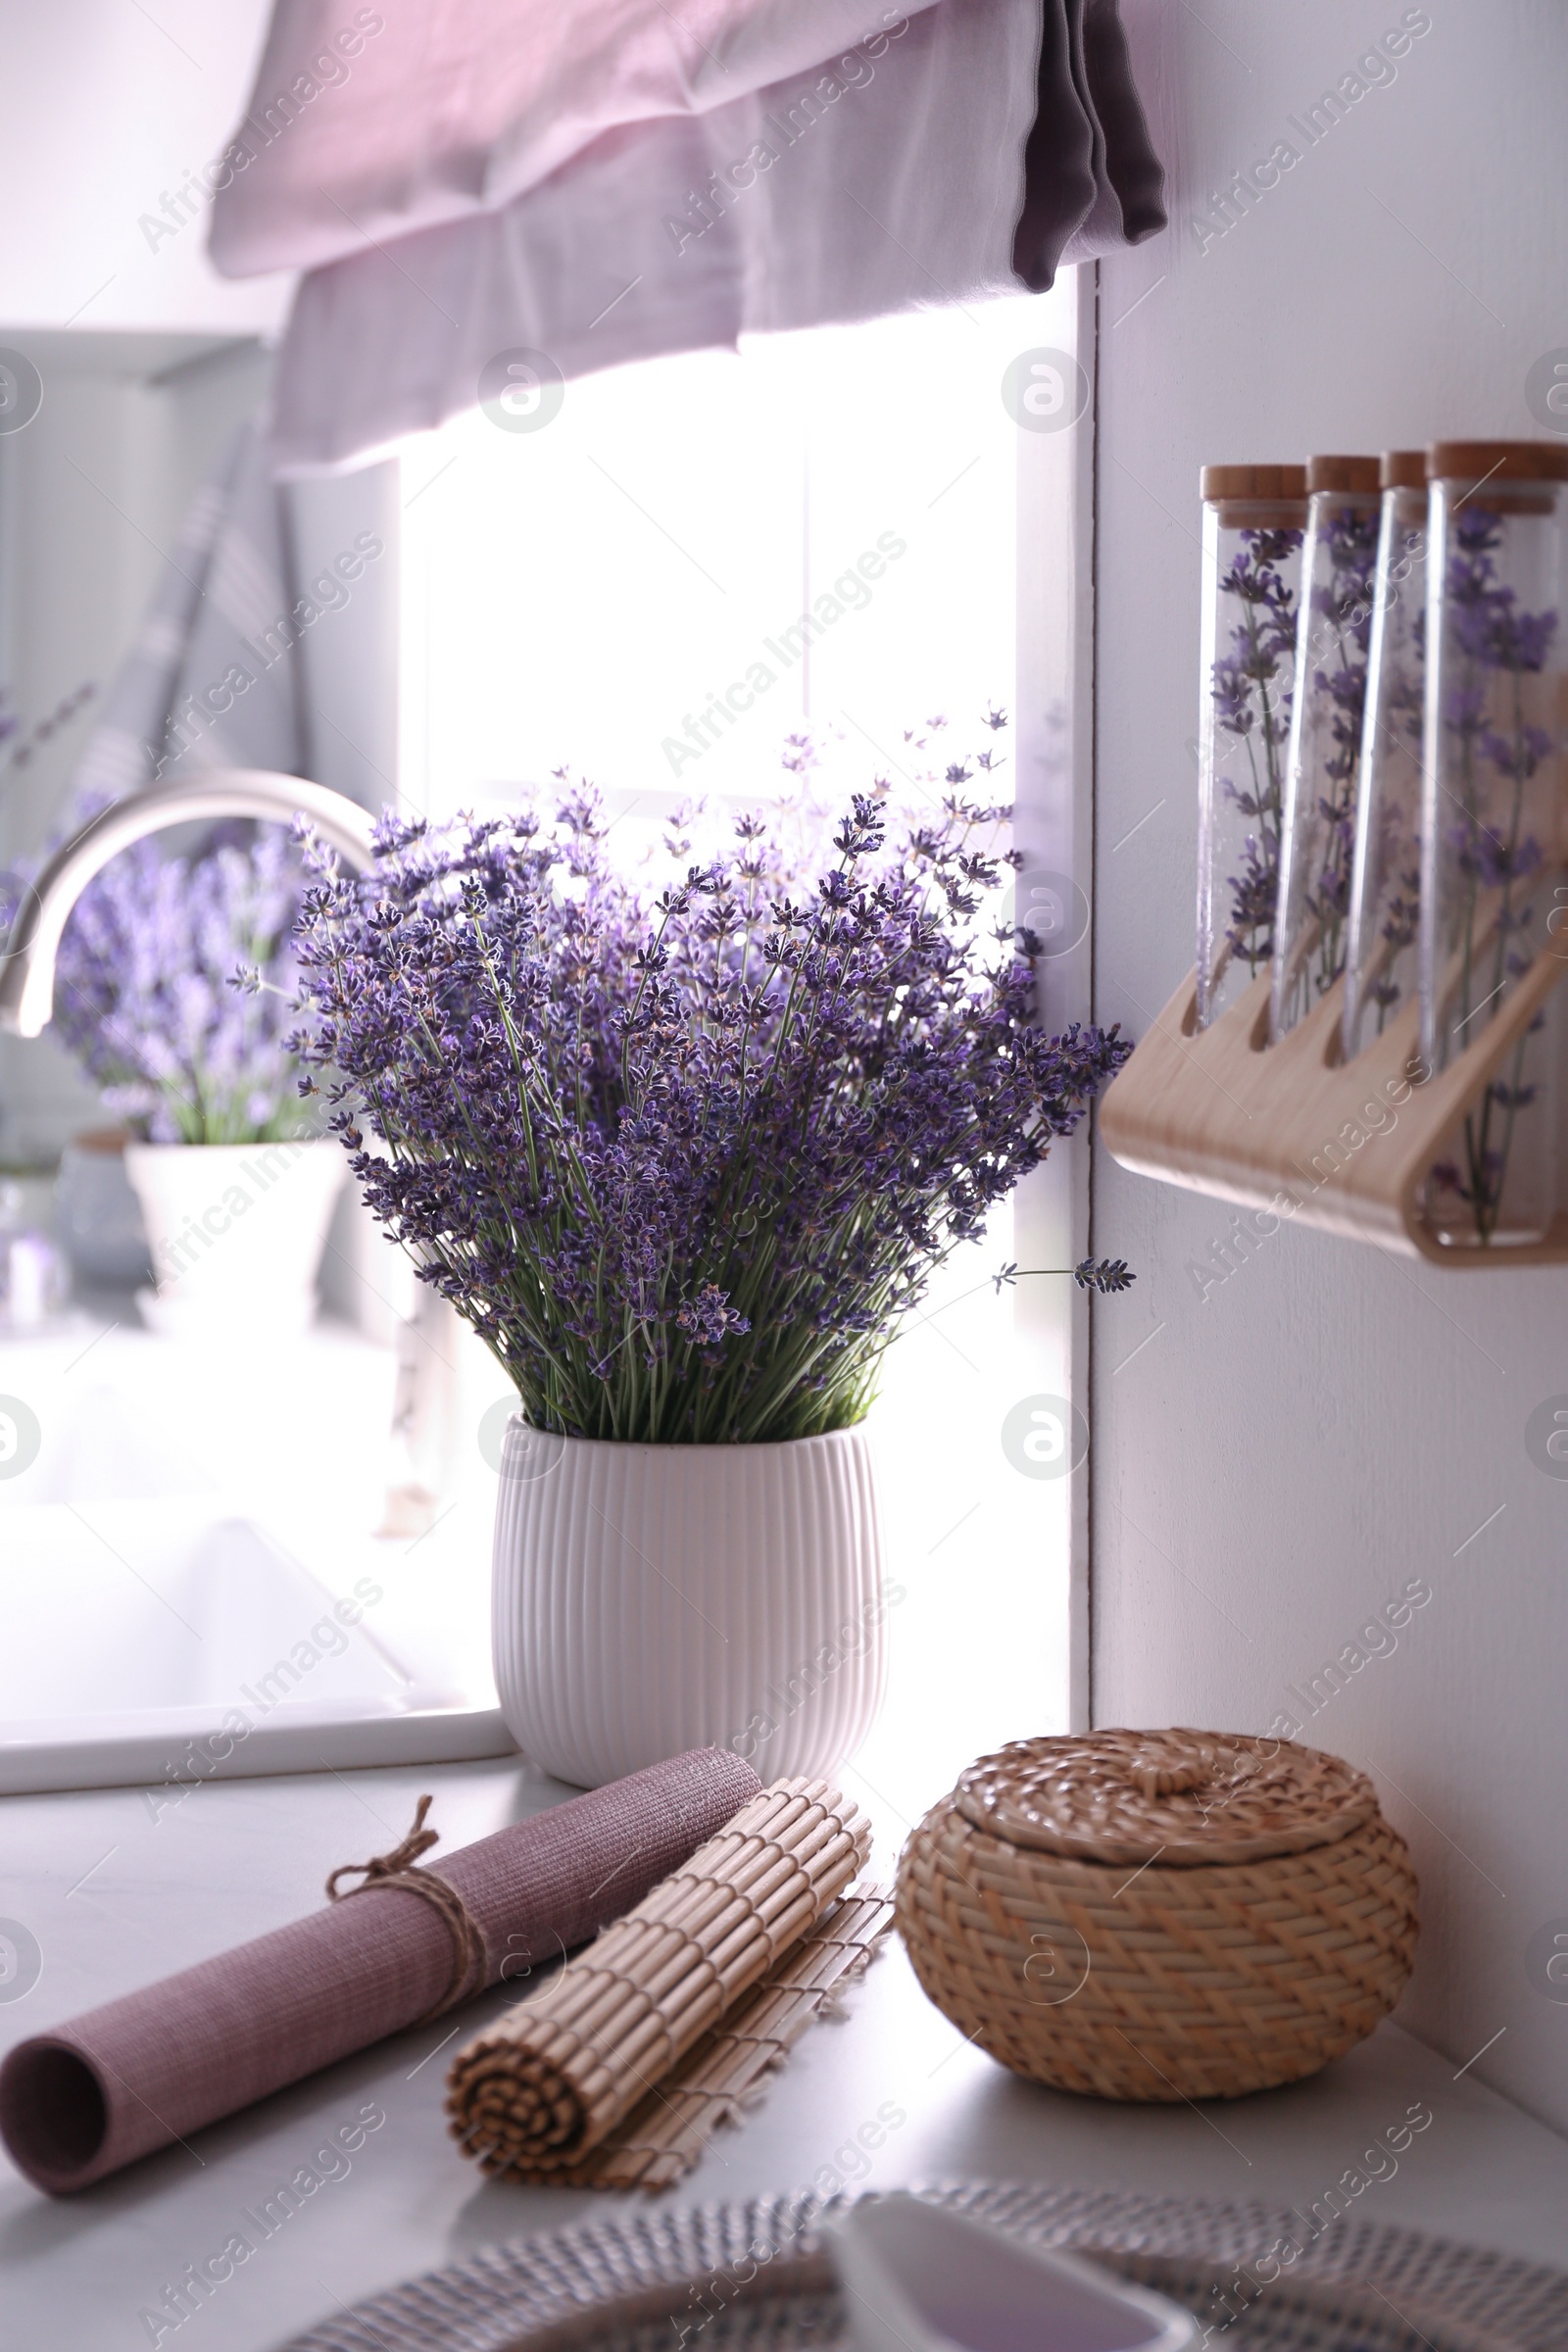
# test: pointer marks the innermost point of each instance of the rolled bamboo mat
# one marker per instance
(539, 2090)
(665, 2133)
(95, 2093)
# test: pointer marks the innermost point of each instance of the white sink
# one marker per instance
(189, 1588)
(155, 1643)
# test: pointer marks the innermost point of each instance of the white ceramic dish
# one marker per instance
(917, 2278)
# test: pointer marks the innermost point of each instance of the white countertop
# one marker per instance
(116, 1897)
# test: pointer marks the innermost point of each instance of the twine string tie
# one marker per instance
(398, 1870)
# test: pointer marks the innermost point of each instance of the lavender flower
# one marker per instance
(684, 1160)
(1251, 686)
(1106, 1275)
(144, 995)
(1335, 663)
(1393, 785)
(1493, 856)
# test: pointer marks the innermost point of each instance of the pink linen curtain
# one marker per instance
(374, 122)
(476, 182)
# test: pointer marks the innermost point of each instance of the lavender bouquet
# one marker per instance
(144, 992)
(684, 1160)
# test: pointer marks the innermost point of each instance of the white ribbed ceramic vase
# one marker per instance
(653, 1598)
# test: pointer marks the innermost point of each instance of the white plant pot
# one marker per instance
(236, 1233)
(653, 1598)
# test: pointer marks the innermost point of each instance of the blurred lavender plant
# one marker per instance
(186, 1046)
(684, 1161)
(1495, 857)
(1251, 690)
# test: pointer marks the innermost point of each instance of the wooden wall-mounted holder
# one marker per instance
(1347, 1145)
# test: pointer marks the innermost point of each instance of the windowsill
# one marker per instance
(116, 1897)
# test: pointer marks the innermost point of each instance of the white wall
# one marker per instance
(1328, 1422)
(105, 110)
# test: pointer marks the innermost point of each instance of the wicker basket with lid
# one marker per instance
(1161, 1915)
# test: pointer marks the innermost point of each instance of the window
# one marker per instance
(619, 587)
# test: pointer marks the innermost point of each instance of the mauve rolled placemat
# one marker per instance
(106, 2087)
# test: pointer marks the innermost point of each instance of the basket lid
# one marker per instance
(1177, 1796)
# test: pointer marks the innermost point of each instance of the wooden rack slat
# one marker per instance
(1292, 1128)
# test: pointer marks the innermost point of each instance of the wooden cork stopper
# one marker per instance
(1256, 498)
(1353, 475)
(1497, 460)
(1216, 482)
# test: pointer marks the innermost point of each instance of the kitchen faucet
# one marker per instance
(28, 967)
(422, 1411)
